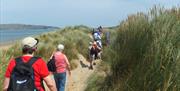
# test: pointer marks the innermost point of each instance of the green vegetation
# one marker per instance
(75, 40)
(145, 55)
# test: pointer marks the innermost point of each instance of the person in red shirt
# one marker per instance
(29, 46)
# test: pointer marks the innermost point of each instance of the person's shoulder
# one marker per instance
(38, 59)
(12, 61)
(64, 55)
(39, 63)
(56, 52)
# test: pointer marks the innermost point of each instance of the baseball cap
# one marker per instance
(30, 41)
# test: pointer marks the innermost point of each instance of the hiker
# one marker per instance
(62, 65)
(93, 31)
(94, 51)
(26, 73)
(91, 54)
(97, 34)
(100, 29)
(89, 49)
(98, 50)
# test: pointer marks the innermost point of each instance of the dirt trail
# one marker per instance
(78, 80)
(79, 76)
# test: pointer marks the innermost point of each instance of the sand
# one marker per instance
(5, 46)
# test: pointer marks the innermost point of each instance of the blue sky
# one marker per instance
(75, 12)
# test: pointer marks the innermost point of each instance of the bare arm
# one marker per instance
(52, 54)
(50, 83)
(6, 83)
(68, 65)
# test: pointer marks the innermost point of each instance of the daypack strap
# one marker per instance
(18, 60)
(30, 62)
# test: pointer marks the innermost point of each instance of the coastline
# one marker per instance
(6, 45)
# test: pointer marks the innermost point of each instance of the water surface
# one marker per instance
(7, 36)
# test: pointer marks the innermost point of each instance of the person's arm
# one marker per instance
(6, 83)
(45, 75)
(8, 74)
(50, 83)
(99, 48)
(52, 54)
(68, 65)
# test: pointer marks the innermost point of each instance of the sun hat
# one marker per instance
(60, 47)
(30, 41)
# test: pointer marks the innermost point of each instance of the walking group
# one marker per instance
(29, 72)
(95, 48)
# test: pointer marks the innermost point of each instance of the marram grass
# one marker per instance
(145, 56)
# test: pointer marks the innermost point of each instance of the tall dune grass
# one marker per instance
(146, 54)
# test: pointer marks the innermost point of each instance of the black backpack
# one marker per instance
(22, 76)
(51, 65)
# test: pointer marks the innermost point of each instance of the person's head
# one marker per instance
(29, 45)
(94, 44)
(60, 47)
(100, 29)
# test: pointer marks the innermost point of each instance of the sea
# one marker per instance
(10, 36)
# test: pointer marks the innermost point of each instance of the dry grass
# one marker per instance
(145, 55)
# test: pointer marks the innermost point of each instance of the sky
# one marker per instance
(63, 13)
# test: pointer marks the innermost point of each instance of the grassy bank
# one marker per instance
(145, 56)
(75, 39)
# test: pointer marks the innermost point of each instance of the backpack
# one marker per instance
(96, 36)
(51, 65)
(22, 76)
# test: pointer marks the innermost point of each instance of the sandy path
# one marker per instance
(78, 80)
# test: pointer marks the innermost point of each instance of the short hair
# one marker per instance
(28, 50)
(60, 47)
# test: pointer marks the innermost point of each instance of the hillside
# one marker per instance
(24, 26)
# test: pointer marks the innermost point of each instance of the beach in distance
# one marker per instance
(10, 34)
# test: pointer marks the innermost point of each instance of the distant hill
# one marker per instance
(23, 26)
